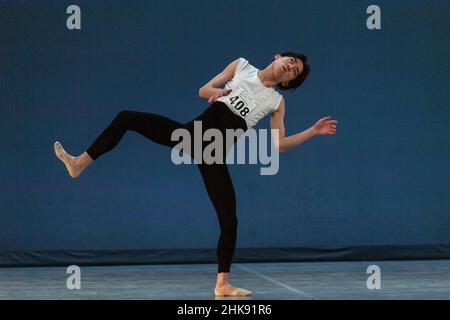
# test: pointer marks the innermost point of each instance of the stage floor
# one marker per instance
(427, 279)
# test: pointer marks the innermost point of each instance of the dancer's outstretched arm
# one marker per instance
(323, 126)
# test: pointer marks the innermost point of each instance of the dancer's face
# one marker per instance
(286, 68)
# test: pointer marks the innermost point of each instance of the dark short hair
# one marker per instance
(294, 84)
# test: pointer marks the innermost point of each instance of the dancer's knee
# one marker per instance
(124, 118)
(229, 224)
(124, 114)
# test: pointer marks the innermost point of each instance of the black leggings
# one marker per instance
(215, 176)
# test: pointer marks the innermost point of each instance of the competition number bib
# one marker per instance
(240, 101)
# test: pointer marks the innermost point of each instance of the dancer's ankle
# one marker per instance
(222, 279)
(224, 285)
(75, 162)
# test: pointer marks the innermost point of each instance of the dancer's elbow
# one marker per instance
(202, 92)
(280, 147)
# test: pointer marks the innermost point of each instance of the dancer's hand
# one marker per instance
(218, 94)
(325, 126)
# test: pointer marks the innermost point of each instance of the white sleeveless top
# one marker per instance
(250, 99)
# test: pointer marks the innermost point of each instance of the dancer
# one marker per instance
(248, 95)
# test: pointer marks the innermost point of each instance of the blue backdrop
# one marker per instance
(382, 180)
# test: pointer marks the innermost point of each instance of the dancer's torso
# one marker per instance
(249, 98)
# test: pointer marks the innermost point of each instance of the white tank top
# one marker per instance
(250, 99)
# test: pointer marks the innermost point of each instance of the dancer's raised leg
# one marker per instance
(155, 127)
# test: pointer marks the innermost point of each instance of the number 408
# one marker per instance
(239, 105)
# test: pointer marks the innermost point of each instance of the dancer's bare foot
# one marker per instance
(67, 159)
(227, 290)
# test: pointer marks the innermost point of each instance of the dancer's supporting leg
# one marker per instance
(155, 127)
(221, 192)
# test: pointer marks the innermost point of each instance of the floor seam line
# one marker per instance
(287, 287)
